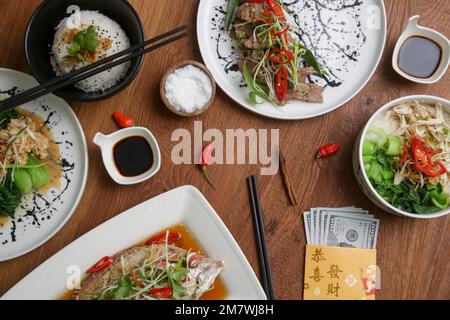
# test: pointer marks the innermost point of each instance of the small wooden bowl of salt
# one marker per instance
(188, 89)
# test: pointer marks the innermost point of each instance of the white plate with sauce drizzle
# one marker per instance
(41, 216)
(182, 206)
(347, 37)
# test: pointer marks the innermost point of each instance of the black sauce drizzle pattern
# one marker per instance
(37, 209)
(332, 29)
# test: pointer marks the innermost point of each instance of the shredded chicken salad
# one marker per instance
(407, 157)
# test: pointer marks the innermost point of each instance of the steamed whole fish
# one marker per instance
(150, 272)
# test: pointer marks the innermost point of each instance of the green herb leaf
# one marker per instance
(175, 276)
(255, 89)
(311, 61)
(231, 14)
(7, 116)
(124, 290)
(10, 196)
(84, 41)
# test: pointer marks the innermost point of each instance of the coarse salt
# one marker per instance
(188, 89)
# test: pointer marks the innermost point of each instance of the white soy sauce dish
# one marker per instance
(130, 155)
(422, 55)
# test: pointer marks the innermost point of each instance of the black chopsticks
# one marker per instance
(92, 69)
(264, 263)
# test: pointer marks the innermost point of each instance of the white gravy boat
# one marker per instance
(107, 143)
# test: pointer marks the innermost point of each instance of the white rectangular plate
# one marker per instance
(185, 205)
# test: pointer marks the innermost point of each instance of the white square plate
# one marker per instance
(185, 205)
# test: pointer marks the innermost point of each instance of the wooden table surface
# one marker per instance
(413, 254)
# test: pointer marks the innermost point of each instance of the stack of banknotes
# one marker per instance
(341, 227)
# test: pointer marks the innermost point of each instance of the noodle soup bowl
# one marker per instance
(358, 163)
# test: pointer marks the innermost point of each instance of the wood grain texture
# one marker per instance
(413, 255)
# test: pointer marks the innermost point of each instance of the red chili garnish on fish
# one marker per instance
(102, 264)
(281, 84)
(160, 238)
(162, 293)
(328, 150)
(122, 120)
(206, 159)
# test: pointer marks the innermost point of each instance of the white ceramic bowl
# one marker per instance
(358, 163)
(413, 29)
(107, 143)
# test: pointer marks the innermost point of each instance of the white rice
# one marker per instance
(106, 28)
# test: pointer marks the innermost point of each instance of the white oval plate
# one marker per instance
(348, 38)
(185, 205)
(40, 217)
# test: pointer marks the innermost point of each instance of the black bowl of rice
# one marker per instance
(64, 35)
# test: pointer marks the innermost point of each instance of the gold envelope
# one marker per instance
(335, 273)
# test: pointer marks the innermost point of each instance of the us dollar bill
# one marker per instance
(307, 222)
(323, 218)
(352, 231)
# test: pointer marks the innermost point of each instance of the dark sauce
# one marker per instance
(419, 57)
(133, 156)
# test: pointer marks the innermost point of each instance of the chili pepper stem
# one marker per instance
(205, 173)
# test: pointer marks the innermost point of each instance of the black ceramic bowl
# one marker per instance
(41, 31)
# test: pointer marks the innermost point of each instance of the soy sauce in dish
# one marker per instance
(133, 156)
(419, 57)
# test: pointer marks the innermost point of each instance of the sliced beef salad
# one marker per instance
(275, 65)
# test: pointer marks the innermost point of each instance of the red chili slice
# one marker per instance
(281, 84)
(435, 170)
(277, 9)
(162, 293)
(161, 238)
(423, 162)
(420, 155)
(102, 264)
(281, 56)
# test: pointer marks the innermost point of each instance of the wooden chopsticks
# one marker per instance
(93, 69)
(264, 261)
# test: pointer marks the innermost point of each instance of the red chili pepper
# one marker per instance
(281, 56)
(122, 120)
(420, 155)
(162, 293)
(280, 32)
(277, 9)
(281, 83)
(328, 150)
(435, 169)
(102, 264)
(160, 238)
(206, 159)
(261, 20)
(423, 162)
